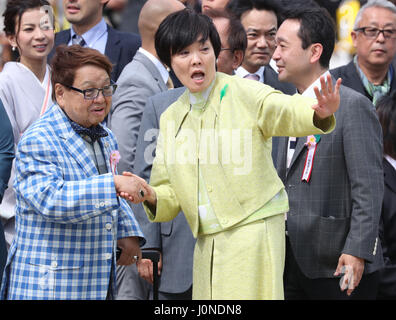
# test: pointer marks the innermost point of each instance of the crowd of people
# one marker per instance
(214, 132)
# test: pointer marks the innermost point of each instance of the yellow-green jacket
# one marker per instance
(240, 116)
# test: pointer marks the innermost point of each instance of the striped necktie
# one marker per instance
(78, 40)
(252, 76)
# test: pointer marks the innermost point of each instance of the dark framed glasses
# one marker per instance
(93, 93)
(373, 33)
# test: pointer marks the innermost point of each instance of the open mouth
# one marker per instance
(98, 110)
(40, 47)
(198, 76)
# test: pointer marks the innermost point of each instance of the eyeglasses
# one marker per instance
(93, 93)
(373, 33)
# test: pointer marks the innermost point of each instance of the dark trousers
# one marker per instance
(299, 287)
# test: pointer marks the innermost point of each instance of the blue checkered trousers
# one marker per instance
(68, 217)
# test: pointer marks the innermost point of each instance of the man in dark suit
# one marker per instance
(374, 37)
(90, 29)
(334, 182)
(260, 20)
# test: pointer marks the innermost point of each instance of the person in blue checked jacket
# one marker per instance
(69, 219)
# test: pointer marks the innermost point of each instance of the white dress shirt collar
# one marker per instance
(242, 72)
(309, 92)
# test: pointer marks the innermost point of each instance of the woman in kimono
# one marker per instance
(213, 162)
(25, 86)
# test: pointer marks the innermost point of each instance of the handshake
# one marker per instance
(133, 188)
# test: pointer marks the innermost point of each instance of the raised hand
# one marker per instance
(328, 98)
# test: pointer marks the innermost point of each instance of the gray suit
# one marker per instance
(174, 238)
(139, 80)
(338, 210)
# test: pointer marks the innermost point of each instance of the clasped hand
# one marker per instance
(133, 188)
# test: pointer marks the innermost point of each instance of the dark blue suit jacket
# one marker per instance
(351, 78)
(6, 157)
(120, 47)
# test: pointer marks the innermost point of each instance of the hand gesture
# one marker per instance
(131, 187)
(328, 98)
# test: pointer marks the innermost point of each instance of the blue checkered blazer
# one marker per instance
(68, 217)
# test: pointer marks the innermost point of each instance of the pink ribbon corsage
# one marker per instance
(114, 159)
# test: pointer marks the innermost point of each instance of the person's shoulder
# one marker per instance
(125, 37)
(340, 70)
(349, 94)
(163, 97)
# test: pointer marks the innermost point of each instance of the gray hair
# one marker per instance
(373, 3)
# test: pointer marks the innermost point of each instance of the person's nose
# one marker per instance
(196, 59)
(276, 54)
(100, 98)
(262, 42)
(381, 37)
(38, 33)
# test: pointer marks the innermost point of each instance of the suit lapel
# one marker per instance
(140, 57)
(390, 175)
(299, 148)
(112, 50)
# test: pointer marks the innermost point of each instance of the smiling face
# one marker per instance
(377, 51)
(34, 37)
(293, 62)
(86, 113)
(195, 65)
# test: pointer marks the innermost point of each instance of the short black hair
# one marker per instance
(239, 7)
(182, 28)
(316, 26)
(237, 39)
(386, 110)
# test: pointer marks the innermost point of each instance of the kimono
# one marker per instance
(24, 99)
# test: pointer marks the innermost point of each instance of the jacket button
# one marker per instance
(54, 264)
(108, 226)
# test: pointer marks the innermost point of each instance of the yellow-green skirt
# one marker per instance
(246, 262)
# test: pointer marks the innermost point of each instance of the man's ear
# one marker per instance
(354, 37)
(238, 56)
(60, 94)
(316, 52)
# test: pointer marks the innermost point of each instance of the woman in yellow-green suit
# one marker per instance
(213, 162)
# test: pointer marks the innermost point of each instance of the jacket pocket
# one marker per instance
(333, 233)
(48, 274)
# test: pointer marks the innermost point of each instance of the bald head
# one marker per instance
(151, 16)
